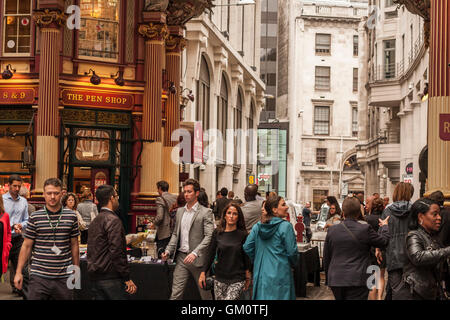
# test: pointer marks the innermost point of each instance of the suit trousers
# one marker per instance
(181, 276)
(350, 293)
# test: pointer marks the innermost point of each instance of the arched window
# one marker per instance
(351, 164)
(203, 95)
(222, 113)
(238, 128)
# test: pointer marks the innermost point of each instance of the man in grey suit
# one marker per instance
(162, 220)
(252, 207)
(190, 241)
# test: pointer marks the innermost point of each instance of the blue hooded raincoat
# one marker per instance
(272, 247)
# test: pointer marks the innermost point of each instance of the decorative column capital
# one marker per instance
(154, 31)
(175, 43)
(48, 18)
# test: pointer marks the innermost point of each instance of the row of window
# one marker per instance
(323, 44)
(322, 120)
(323, 79)
(98, 36)
(204, 107)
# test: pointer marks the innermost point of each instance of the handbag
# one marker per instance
(209, 284)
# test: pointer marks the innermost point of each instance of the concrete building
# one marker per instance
(393, 100)
(222, 68)
(318, 61)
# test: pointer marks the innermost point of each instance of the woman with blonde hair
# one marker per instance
(396, 256)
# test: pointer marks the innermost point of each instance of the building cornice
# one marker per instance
(217, 39)
(354, 20)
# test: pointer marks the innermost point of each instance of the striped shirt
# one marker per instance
(44, 262)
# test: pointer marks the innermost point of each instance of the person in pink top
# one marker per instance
(5, 238)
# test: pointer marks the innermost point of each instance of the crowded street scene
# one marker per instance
(232, 150)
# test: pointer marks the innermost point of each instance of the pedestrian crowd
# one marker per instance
(409, 241)
(233, 249)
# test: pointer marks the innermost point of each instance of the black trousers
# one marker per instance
(84, 237)
(113, 289)
(350, 293)
(16, 242)
(394, 279)
(49, 289)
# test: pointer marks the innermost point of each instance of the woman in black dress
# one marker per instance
(232, 266)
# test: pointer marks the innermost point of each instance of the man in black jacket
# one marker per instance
(107, 257)
(346, 258)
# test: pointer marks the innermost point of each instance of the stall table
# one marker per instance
(307, 270)
(153, 281)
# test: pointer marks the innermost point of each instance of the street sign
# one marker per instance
(408, 178)
(344, 189)
(444, 127)
(409, 168)
(198, 142)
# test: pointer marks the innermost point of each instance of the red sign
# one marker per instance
(86, 98)
(198, 143)
(444, 127)
(16, 96)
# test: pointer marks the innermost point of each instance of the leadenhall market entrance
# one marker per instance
(96, 150)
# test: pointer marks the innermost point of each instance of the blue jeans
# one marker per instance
(113, 289)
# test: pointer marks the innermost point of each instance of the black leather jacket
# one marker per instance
(426, 259)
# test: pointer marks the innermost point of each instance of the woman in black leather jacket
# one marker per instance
(422, 274)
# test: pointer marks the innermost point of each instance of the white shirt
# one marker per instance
(185, 227)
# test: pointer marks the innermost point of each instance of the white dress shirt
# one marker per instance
(185, 227)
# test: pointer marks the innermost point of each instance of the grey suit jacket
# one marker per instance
(162, 219)
(252, 211)
(200, 234)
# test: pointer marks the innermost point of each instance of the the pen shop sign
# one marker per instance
(16, 96)
(96, 99)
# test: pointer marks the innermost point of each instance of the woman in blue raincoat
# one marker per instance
(272, 247)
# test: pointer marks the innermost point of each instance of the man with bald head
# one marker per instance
(252, 207)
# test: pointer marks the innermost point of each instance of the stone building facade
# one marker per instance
(393, 100)
(222, 67)
(321, 48)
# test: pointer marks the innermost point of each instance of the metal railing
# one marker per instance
(395, 71)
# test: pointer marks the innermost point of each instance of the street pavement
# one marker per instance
(5, 289)
(312, 292)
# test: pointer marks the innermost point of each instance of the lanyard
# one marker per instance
(50, 222)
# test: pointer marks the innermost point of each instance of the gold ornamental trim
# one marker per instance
(46, 17)
(175, 43)
(154, 31)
